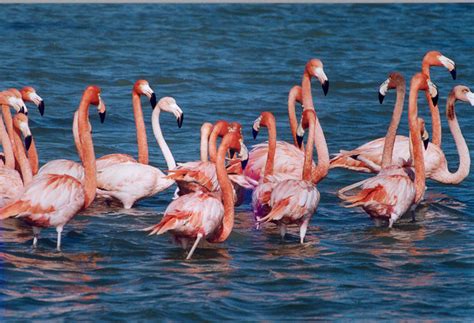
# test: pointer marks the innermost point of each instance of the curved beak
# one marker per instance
(453, 73)
(180, 120)
(325, 86)
(153, 100)
(299, 135)
(426, 139)
(41, 108)
(381, 97)
(102, 110)
(102, 116)
(23, 110)
(243, 155)
(435, 99)
(254, 133)
(28, 140)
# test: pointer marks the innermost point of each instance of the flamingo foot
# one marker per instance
(190, 254)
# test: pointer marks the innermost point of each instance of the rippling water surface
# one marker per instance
(233, 61)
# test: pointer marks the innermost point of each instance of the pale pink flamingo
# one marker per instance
(53, 200)
(372, 151)
(11, 181)
(294, 201)
(290, 158)
(141, 87)
(395, 189)
(201, 215)
(130, 182)
(28, 94)
(70, 167)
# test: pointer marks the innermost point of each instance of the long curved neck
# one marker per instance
(306, 91)
(292, 113)
(425, 68)
(7, 146)
(270, 124)
(392, 129)
(308, 156)
(322, 168)
(75, 132)
(463, 151)
(155, 121)
(7, 118)
(20, 153)
(435, 121)
(416, 143)
(87, 147)
(205, 132)
(33, 157)
(218, 129)
(227, 192)
(140, 127)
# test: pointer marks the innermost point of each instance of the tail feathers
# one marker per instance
(366, 195)
(243, 181)
(276, 212)
(344, 160)
(14, 209)
(166, 224)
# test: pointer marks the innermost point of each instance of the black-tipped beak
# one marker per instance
(435, 99)
(244, 163)
(41, 108)
(232, 153)
(325, 86)
(299, 140)
(22, 110)
(426, 142)
(102, 116)
(153, 100)
(381, 97)
(453, 73)
(28, 142)
(180, 120)
(254, 133)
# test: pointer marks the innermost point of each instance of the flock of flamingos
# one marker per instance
(282, 175)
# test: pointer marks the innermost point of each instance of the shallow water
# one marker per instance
(231, 62)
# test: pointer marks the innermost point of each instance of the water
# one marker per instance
(231, 62)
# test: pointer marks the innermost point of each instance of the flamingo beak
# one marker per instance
(435, 99)
(180, 120)
(426, 139)
(381, 97)
(41, 107)
(243, 155)
(254, 133)
(299, 140)
(299, 135)
(23, 110)
(325, 86)
(102, 116)
(453, 73)
(28, 140)
(153, 100)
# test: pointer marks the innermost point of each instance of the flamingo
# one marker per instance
(28, 94)
(290, 158)
(373, 150)
(129, 182)
(395, 189)
(52, 199)
(294, 201)
(200, 214)
(69, 167)
(141, 87)
(11, 181)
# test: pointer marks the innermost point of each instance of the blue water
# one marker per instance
(231, 62)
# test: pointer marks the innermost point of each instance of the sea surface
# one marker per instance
(232, 62)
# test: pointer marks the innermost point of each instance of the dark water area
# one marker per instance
(231, 62)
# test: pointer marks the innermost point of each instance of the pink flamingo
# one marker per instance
(371, 153)
(141, 87)
(203, 215)
(53, 200)
(130, 182)
(294, 201)
(290, 158)
(395, 189)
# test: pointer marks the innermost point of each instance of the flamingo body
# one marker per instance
(112, 159)
(63, 167)
(11, 185)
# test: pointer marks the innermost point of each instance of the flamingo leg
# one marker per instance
(282, 230)
(59, 230)
(391, 221)
(303, 228)
(36, 232)
(199, 236)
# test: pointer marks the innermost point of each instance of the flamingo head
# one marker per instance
(463, 93)
(394, 79)
(20, 122)
(235, 127)
(12, 98)
(28, 94)
(238, 147)
(435, 58)
(308, 117)
(423, 83)
(264, 119)
(296, 94)
(315, 68)
(92, 92)
(168, 104)
(142, 87)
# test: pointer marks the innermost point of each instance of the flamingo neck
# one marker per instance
(87, 154)
(392, 129)
(306, 91)
(155, 121)
(75, 132)
(435, 121)
(218, 129)
(141, 130)
(269, 121)
(33, 157)
(227, 192)
(292, 116)
(7, 117)
(463, 151)
(425, 68)
(7, 146)
(417, 151)
(205, 132)
(308, 156)
(20, 153)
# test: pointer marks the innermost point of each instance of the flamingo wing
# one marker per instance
(63, 167)
(195, 175)
(10, 185)
(112, 159)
